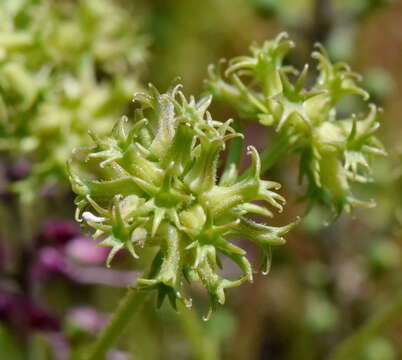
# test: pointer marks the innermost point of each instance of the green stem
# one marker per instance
(203, 347)
(128, 307)
(379, 321)
(235, 149)
(270, 156)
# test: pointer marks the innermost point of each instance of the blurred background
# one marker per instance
(70, 66)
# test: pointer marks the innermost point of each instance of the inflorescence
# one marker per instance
(153, 183)
(334, 152)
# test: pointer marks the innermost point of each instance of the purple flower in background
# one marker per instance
(18, 170)
(74, 256)
(50, 260)
(58, 250)
(87, 319)
(83, 250)
(58, 231)
(11, 172)
(23, 314)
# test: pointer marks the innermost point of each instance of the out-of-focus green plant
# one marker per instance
(286, 11)
(65, 67)
(359, 7)
(334, 151)
(154, 184)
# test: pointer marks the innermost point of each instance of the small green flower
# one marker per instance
(154, 183)
(334, 152)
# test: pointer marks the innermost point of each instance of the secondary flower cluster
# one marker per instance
(65, 66)
(153, 182)
(334, 152)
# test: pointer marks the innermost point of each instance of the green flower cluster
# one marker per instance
(334, 151)
(153, 182)
(65, 66)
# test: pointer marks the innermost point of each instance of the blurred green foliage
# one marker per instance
(65, 68)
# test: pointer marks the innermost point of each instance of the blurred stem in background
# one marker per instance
(322, 21)
(352, 345)
(203, 346)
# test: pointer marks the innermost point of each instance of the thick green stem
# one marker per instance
(128, 307)
(348, 348)
(202, 346)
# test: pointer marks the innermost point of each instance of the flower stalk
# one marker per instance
(130, 305)
(385, 317)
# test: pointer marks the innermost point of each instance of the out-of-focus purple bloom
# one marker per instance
(87, 319)
(53, 261)
(63, 260)
(18, 170)
(58, 231)
(61, 347)
(23, 314)
(91, 321)
(50, 260)
(84, 250)
(101, 276)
